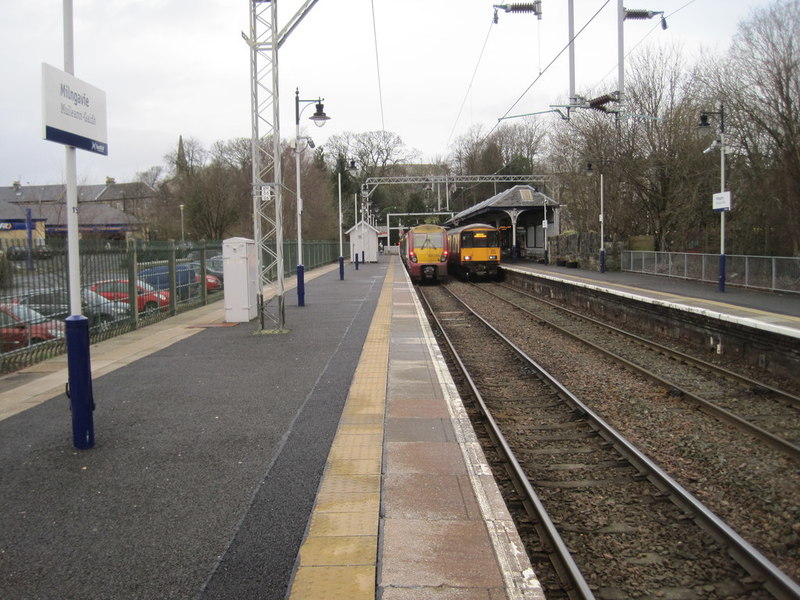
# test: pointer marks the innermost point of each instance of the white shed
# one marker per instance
(364, 242)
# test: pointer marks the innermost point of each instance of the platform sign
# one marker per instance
(721, 201)
(74, 111)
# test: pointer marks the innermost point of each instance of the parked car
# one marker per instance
(55, 304)
(213, 281)
(16, 252)
(148, 298)
(21, 252)
(21, 326)
(186, 279)
(214, 267)
(42, 252)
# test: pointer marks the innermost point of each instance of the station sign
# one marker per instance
(721, 201)
(74, 111)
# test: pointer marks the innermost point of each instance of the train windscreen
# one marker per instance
(428, 240)
(480, 239)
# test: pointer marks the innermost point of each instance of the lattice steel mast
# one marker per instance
(264, 41)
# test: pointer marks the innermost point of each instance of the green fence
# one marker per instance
(124, 286)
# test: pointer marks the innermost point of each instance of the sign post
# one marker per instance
(75, 115)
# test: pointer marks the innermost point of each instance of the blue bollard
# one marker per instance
(80, 382)
(341, 268)
(301, 286)
(356, 261)
(362, 257)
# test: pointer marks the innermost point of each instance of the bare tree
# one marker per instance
(662, 156)
(759, 83)
(212, 199)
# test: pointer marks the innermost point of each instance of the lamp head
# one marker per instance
(703, 121)
(352, 168)
(589, 169)
(319, 117)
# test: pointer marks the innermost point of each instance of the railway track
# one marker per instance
(618, 526)
(757, 408)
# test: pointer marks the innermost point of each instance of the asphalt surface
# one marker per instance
(777, 302)
(207, 460)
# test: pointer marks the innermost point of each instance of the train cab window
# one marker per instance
(480, 239)
(428, 240)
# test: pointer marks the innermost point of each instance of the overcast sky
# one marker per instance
(171, 67)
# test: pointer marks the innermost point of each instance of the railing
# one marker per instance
(773, 273)
(34, 280)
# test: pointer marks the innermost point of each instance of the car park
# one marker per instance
(148, 298)
(55, 304)
(21, 326)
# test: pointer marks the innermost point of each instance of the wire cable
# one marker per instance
(550, 64)
(378, 65)
(469, 87)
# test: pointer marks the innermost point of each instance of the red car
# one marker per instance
(21, 326)
(148, 298)
(213, 284)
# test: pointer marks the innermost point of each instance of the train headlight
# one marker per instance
(467, 257)
(493, 257)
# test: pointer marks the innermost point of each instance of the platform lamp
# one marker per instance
(319, 118)
(590, 171)
(352, 169)
(722, 201)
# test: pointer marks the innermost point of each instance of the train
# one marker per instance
(423, 250)
(474, 252)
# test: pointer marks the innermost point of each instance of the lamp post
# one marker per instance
(351, 168)
(319, 118)
(724, 198)
(590, 171)
(181, 207)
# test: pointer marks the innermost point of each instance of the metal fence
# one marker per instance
(124, 286)
(773, 273)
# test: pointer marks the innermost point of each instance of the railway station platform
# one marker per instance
(768, 311)
(332, 461)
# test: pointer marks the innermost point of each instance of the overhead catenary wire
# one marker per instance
(469, 87)
(378, 65)
(550, 64)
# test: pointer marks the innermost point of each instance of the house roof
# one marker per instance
(519, 197)
(89, 214)
(86, 193)
(362, 224)
(10, 211)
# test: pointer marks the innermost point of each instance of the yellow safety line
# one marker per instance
(339, 554)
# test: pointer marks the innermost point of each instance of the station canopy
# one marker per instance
(517, 198)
